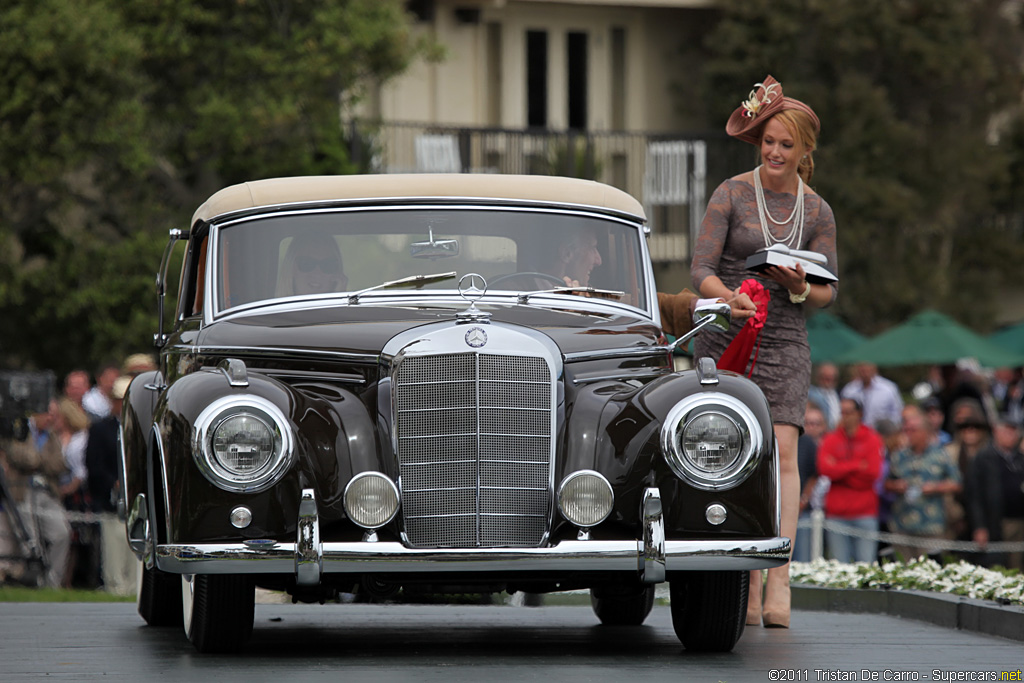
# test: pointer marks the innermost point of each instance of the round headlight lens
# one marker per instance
(585, 498)
(243, 444)
(371, 500)
(712, 442)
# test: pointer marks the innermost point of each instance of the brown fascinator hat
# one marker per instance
(765, 101)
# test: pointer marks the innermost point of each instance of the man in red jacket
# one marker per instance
(851, 457)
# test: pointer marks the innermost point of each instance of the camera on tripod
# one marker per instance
(23, 394)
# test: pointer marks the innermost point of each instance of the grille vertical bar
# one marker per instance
(474, 449)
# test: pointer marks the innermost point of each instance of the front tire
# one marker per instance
(709, 609)
(217, 611)
(158, 596)
(622, 608)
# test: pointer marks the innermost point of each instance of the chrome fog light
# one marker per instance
(371, 500)
(585, 498)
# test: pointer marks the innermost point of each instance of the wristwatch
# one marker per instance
(802, 297)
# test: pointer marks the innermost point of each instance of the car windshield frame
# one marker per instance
(629, 233)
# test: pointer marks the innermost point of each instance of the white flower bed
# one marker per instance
(961, 578)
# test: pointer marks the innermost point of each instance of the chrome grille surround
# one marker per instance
(475, 438)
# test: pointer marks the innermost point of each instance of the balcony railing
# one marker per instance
(672, 175)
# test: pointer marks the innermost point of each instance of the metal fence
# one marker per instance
(672, 175)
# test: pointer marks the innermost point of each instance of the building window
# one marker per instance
(576, 63)
(537, 79)
(618, 77)
(494, 83)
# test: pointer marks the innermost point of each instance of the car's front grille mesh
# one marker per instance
(474, 449)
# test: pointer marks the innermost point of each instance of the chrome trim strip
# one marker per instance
(165, 486)
(623, 375)
(278, 351)
(602, 354)
(653, 548)
(139, 512)
(309, 558)
(394, 558)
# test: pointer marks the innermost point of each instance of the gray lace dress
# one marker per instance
(730, 232)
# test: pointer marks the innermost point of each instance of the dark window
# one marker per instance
(423, 10)
(537, 79)
(577, 79)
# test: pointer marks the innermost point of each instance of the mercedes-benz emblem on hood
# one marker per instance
(472, 286)
(476, 337)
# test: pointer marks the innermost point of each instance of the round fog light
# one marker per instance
(715, 514)
(241, 517)
(371, 500)
(585, 498)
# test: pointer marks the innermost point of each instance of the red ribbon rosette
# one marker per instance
(748, 341)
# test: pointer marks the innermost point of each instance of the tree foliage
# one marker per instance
(117, 118)
(918, 100)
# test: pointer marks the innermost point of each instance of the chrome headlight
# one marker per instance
(585, 498)
(242, 443)
(711, 440)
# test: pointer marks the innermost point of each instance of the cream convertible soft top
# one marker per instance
(277, 191)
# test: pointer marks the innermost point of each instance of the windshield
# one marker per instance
(323, 253)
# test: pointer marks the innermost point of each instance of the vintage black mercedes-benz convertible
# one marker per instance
(449, 383)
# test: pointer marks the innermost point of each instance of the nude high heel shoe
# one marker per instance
(776, 606)
(754, 599)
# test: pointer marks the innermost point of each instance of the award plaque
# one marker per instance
(814, 264)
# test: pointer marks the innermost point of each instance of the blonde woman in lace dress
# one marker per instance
(771, 204)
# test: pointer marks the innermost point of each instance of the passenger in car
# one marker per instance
(312, 265)
(677, 310)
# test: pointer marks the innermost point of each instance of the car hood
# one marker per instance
(366, 329)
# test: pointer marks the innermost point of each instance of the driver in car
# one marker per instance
(312, 265)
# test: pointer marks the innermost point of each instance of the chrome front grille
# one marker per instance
(474, 449)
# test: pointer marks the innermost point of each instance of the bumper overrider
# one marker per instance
(308, 558)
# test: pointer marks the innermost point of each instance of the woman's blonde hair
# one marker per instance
(74, 417)
(801, 127)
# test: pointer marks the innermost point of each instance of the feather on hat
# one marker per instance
(765, 101)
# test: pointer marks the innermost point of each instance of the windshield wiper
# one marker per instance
(416, 281)
(524, 297)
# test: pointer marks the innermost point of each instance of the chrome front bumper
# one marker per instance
(308, 559)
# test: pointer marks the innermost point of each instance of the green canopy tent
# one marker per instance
(930, 338)
(1010, 338)
(829, 337)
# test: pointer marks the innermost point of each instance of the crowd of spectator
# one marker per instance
(64, 482)
(945, 467)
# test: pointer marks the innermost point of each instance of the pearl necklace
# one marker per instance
(796, 226)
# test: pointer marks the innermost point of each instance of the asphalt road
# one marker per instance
(108, 641)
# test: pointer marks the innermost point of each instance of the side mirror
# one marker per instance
(159, 339)
(720, 313)
(716, 315)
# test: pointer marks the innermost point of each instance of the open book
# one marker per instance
(814, 264)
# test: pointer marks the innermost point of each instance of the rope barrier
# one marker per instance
(818, 521)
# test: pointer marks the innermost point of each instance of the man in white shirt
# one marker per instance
(97, 400)
(879, 396)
